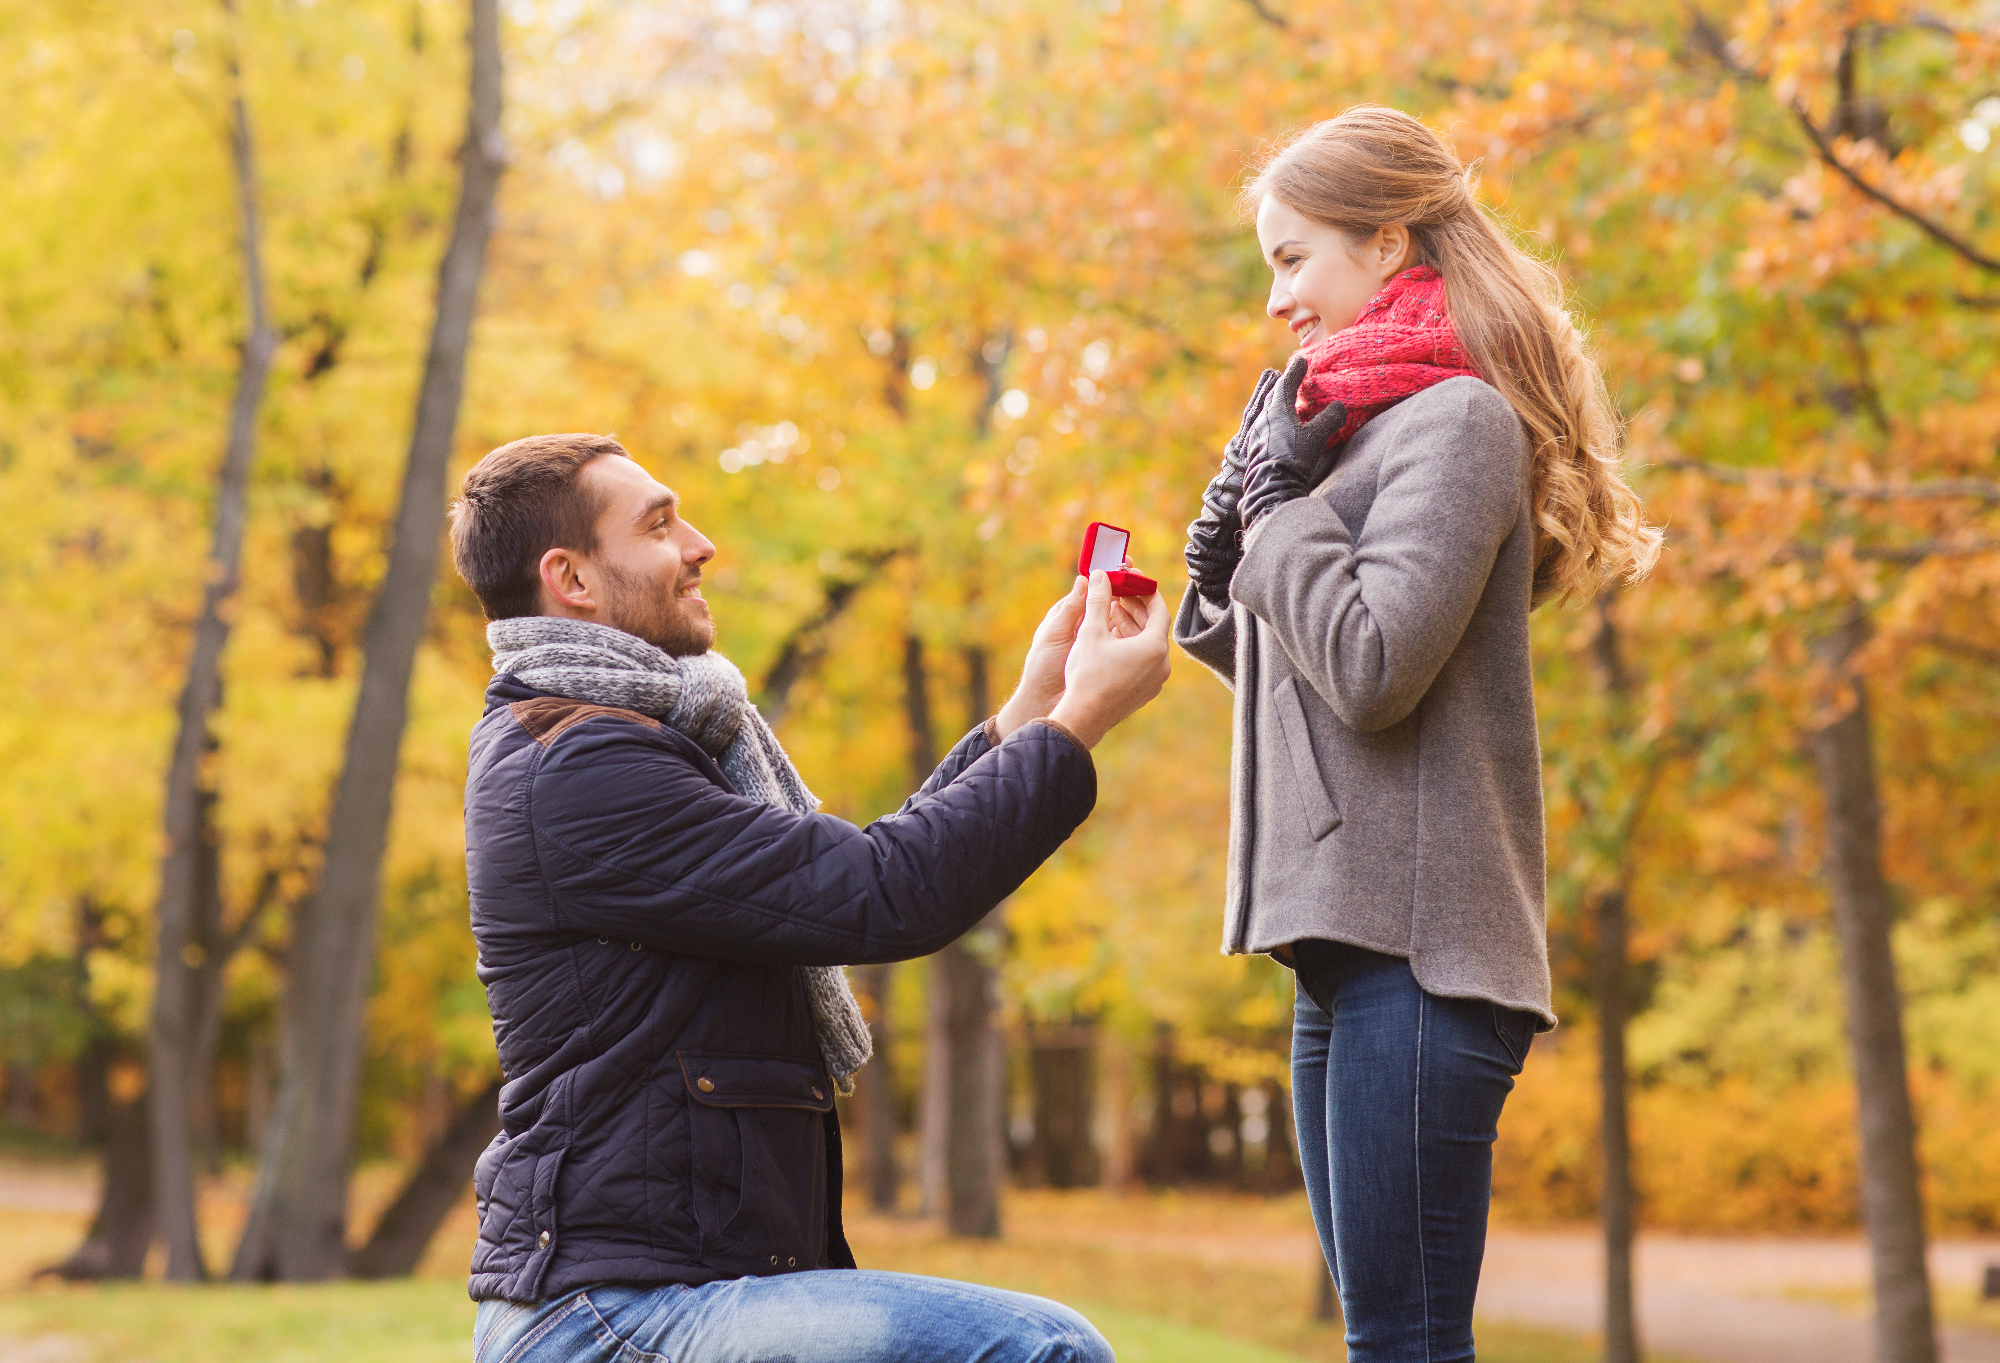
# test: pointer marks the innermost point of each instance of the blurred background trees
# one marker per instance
(899, 297)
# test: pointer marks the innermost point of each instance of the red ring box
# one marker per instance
(1104, 551)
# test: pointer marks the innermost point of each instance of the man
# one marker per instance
(661, 919)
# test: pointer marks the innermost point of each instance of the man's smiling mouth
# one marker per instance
(691, 592)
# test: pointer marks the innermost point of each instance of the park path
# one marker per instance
(1708, 1298)
(1735, 1300)
(1713, 1299)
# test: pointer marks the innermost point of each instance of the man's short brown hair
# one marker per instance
(515, 505)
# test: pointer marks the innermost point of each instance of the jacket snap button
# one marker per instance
(604, 941)
(543, 1239)
(635, 946)
(791, 1263)
(774, 1261)
(706, 1085)
(817, 1095)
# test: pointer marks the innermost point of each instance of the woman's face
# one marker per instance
(1320, 279)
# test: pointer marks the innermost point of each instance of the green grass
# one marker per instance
(395, 1322)
(1148, 1339)
(1168, 1278)
(431, 1322)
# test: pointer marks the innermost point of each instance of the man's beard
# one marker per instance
(662, 621)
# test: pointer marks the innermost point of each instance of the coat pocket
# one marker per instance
(1309, 792)
(759, 1155)
(517, 1221)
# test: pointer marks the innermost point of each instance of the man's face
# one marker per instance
(649, 560)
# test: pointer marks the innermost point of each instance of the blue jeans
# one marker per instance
(823, 1316)
(1397, 1095)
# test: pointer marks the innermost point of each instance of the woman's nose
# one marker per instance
(1280, 306)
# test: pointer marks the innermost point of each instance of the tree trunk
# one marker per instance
(183, 969)
(1611, 982)
(1615, 1205)
(406, 1229)
(1121, 1151)
(298, 1220)
(933, 1097)
(1891, 1198)
(962, 1134)
(1326, 1301)
(975, 1079)
(1062, 1063)
(122, 1231)
(877, 1096)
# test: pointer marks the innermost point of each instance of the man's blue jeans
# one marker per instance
(825, 1316)
(1397, 1095)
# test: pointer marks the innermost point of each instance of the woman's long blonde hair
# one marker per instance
(1371, 167)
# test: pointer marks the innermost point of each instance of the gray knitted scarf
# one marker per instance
(703, 697)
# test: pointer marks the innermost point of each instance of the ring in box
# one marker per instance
(1104, 551)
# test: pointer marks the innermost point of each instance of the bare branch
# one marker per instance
(1985, 490)
(1938, 232)
(1904, 555)
(1708, 38)
(1962, 648)
(1265, 13)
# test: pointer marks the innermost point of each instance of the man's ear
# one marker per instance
(564, 590)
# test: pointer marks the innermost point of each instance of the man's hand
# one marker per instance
(1106, 677)
(1042, 674)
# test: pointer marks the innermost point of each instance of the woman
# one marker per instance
(1439, 456)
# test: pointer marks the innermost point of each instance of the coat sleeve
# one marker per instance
(637, 844)
(968, 750)
(1207, 635)
(1369, 622)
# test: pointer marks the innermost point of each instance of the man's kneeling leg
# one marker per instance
(830, 1316)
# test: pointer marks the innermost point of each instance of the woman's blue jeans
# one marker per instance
(825, 1316)
(1397, 1095)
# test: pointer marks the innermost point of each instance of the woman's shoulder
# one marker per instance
(1467, 399)
(1459, 414)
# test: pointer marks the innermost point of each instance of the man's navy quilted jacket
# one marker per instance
(666, 1116)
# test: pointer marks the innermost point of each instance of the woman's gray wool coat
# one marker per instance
(1386, 788)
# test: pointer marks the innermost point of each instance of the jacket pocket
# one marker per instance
(1309, 791)
(759, 1156)
(517, 1221)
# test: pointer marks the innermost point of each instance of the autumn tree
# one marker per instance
(298, 1222)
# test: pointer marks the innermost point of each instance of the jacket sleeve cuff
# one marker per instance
(1207, 633)
(1271, 549)
(1066, 732)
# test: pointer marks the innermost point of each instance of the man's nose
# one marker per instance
(697, 550)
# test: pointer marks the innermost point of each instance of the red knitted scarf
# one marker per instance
(1401, 344)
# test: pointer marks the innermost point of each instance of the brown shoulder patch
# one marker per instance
(545, 717)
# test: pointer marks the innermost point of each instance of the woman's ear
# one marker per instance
(1392, 251)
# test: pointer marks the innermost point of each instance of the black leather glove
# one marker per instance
(1215, 540)
(1286, 458)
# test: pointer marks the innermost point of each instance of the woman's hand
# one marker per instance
(1287, 458)
(1215, 540)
